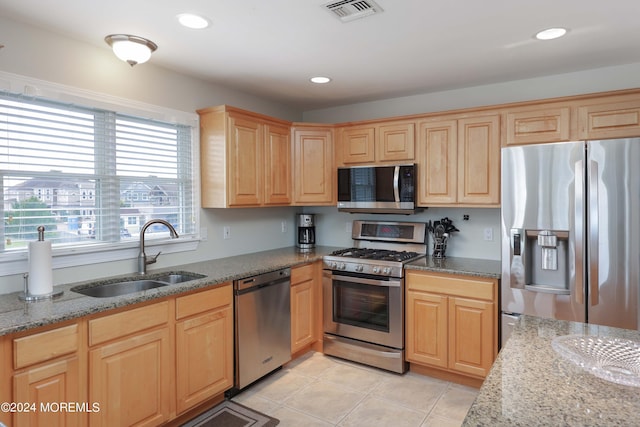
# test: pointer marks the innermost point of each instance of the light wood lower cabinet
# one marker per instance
(48, 374)
(131, 367)
(204, 346)
(451, 322)
(304, 306)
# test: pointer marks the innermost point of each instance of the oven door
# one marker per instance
(364, 308)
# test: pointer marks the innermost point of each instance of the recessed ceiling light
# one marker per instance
(320, 79)
(193, 21)
(551, 33)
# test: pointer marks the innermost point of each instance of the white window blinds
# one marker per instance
(89, 175)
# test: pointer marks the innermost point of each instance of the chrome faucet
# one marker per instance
(142, 257)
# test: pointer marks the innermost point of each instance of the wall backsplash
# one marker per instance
(333, 228)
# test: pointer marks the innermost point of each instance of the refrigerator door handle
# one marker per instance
(593, 233)
(578, 281)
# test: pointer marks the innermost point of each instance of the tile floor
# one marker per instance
(318, 390)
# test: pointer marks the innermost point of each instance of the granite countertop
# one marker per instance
(16, 315)
(467, 266)
(530, 384)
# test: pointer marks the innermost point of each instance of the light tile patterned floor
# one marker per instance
(317, 390)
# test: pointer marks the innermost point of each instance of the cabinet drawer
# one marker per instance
(44, 346)
(127, 322)
(203, 301)
(302, 273)
(463, 286)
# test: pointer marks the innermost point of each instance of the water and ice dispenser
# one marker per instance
(540, 260)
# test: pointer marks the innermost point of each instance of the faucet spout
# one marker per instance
(142, 256)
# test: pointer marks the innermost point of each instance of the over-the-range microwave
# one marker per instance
(377, 189)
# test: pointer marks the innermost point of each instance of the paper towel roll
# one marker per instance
(40, 269)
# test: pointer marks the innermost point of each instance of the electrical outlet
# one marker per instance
(226, 232)
(488, 234)
(284, 226)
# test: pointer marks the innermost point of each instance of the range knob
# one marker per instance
(386, 271)
(359, 268)
(376, 270)
(342, 266)
(333, 265)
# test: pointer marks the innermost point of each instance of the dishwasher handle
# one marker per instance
(254, 283)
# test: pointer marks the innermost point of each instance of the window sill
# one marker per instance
(18, 263)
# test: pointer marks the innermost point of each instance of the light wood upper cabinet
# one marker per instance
(459, 162)
(451, 322)
(277, 170)
(314, 171)
(479, 160)
(617, 117)
(437, 162)
(550, 124)
(396, 142)
(204, 345)
(245, 159)
(357, 145)
(376, 143)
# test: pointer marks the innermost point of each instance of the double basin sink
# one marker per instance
(124, 287)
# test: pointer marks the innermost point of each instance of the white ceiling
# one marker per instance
(272, 47)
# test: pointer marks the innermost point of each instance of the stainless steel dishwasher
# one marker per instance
(263, 325)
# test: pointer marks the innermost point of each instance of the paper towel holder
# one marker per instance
(26, 296)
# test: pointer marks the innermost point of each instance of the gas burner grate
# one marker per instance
(376, 254)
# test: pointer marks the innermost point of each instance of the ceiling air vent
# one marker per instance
(348, 10)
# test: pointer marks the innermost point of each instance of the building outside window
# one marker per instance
(90, 176)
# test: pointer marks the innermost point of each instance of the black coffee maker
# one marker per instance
(306, 232)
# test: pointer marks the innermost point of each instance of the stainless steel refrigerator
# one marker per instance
(571, 232)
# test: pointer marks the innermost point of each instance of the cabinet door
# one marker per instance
(131, 378)
(302, 314)
(471, 339)
(245, 160)
(53, 383)
(611, 120)
(204, 356)
(313, 167)
(357, 145)
(277, 171)
(479, 160)
(426, 328)
(437, 163)
(538, 126)
(396, 142)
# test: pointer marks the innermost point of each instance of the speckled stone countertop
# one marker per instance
(16, 315)
(530, 384)
(467, 266)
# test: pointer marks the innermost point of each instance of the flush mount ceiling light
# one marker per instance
(193, 21)
(320, 80)
(131, 49)
(551, 33)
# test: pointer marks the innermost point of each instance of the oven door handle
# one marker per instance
(385, 283)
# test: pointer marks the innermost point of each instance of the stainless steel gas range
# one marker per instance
(363, 293)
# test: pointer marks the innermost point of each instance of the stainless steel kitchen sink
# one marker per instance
(181, 277)
(105, 290)
(119, 288)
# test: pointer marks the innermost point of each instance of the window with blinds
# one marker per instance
(90, 176)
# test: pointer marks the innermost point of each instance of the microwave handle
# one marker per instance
(396, 184)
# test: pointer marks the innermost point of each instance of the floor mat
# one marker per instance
(232, 414)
